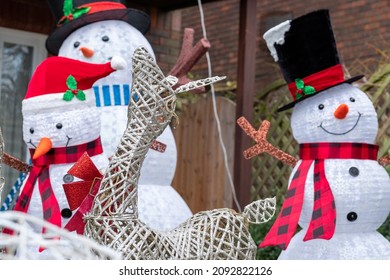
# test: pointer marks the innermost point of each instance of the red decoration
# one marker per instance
(81, 194)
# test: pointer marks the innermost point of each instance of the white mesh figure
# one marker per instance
(160, 206)
(114, 219)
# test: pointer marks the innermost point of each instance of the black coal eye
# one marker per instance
(352, 99)
(76, 44)
(59, 125)
(31, 130)
(105, 38)
(321, 106)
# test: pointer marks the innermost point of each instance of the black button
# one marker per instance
(352, 216)
(354, 172)
(66, 213)
(68, 178)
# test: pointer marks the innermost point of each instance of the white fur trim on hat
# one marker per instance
(55, 102)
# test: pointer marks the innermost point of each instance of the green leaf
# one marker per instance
(71, 82)
(80, 11)
(299, 83)
(308, 90)
(80, 95)
(298, 96)
(68, 95)
(68, 7)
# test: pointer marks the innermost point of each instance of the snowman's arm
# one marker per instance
(188, 57)
(263, 146)
(385, 161)
(16, 163)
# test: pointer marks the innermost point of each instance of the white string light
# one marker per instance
(225, 157)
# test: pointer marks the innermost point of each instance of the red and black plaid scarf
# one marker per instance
(40, 172)
(323, 220)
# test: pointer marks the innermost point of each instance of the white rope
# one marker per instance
(225, 157)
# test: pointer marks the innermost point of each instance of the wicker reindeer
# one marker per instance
(113, 220)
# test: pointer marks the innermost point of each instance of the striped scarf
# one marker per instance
(323, 220)
(40, 172)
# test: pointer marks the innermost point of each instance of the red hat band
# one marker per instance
(90, 8)
(316, 82)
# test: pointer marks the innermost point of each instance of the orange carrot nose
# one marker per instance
(341, 111)
(87, 52)
(43, 147)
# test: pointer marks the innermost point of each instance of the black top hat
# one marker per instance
(305, 49)
(73, 14)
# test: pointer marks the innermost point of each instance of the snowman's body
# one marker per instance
(79, 125)
(361, 188)
(160, 206)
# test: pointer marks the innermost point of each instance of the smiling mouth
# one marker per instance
(67, 142)
(30, 142)
(342, 133)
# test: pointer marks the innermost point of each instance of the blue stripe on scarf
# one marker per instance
(112, 95)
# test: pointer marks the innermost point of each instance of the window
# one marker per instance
(20, 54)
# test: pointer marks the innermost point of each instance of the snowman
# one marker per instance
(60, 124)
(95, 31)
(338, 193)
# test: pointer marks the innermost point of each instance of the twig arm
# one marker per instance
(263, 146)
(16, 163)
(384, 161)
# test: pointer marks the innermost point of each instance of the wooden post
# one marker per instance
(245, 93)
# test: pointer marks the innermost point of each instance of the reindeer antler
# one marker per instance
(188, 57)
(260, 136)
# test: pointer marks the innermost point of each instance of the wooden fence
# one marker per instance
(201, 177)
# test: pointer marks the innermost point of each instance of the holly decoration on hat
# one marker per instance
(73, 90)
(71, 13)
(303, 90)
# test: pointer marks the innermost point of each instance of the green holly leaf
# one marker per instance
(299, 83)
(80, 11)
(80, 95)
(68, 7)
(71, 82)
(298, 96)
(68, 95)
(308, 90)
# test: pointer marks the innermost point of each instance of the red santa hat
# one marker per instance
(60, 82)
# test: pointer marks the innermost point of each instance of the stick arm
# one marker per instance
(384, 161)
(16, 163)
(263, 146)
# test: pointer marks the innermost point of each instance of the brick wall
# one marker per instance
(361, 28)
(165, 36)
(25, 15)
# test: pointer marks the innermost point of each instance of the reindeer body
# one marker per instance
(114, 222)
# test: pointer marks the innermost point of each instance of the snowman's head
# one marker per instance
(339, 114)
(98, 42)
(59, 107)
(64, 123)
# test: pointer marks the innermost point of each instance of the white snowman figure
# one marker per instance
(338, 193)
(95, 31)
(60, 124)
